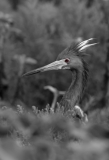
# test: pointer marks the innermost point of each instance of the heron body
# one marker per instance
(73, 59)
(56, 93)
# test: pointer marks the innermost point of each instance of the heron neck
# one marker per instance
(73, 95)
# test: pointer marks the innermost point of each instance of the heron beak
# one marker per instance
(61, 64)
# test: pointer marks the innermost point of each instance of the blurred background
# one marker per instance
(32, 34)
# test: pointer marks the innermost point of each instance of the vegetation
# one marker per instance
(32, 34)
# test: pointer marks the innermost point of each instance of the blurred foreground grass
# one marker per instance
(43, 135)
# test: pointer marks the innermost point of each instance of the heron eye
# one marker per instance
(67, 60)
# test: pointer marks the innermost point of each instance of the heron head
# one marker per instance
(68, 59)
(74, 55)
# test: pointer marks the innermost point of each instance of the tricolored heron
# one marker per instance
(73, 59)
(56, 93)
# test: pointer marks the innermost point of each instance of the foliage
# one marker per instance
(43, 135)
(32, 34)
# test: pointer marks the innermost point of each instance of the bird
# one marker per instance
(79, 113)
(72, 58)
(56, 94)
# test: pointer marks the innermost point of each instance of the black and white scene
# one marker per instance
(54, 79)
